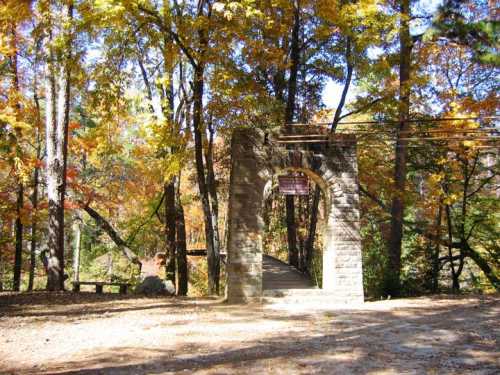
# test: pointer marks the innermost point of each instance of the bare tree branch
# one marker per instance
(361, 109)
(111, 232)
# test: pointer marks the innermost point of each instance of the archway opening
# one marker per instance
(311, 210)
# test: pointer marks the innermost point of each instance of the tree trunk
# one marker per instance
(34, 200)
(180, 229)
(291, 229)
(55, 262)
(197, 62)
(295, 63)
(212, 187)
(455, 285)
(166, 94)
(57, 120)
(19, 238)
(291, 225)
(53, 175)
(170, 228)
(347, 85)
(393, 274)
(313, 221)
(77, 229)
(170, 191)
(213, 256)
(63, 118)
(434, 286)
(18, 257)
(1, 269)
(463, 240)
(454, 274)
(2, 264)
(7, 232)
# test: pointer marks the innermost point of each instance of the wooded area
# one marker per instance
(116, 120)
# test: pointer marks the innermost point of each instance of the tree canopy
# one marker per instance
(116, 119)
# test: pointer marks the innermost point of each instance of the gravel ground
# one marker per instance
(85, 333)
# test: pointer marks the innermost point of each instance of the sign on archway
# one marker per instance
(293, 185)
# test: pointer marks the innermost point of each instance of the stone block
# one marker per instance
(245, 268)
(344, 214)
(245, 281)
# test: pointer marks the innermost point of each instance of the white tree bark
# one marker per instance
(77, 230)
(57, 117)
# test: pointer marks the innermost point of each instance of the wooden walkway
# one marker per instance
(279, 275)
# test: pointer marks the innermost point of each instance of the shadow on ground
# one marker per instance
(454, 336)
(53, 305)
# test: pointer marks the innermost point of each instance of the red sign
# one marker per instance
(293, 185)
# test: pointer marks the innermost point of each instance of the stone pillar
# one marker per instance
(342, 270)
(244, 250)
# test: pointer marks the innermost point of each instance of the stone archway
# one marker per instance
(333, 166)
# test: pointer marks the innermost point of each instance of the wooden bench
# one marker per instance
(99, 285)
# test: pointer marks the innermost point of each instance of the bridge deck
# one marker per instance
(279, 275)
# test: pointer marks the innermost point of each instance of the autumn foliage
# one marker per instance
(155, 89)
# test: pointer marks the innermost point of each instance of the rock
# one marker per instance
(155, 285)
(153, 266)
(169, 287)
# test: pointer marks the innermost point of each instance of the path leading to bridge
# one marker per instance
(111, 334)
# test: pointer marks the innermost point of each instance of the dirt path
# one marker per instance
(109, 334)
